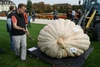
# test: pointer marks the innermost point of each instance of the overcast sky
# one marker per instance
(73, 2)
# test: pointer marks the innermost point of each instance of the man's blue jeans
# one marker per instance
(11, 42)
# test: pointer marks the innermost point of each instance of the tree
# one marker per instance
(48, 7)
(76, 7)
(41, 6)
(55, 7)
(35, 6)
(29, 6)
(66, 6)
(61, 7)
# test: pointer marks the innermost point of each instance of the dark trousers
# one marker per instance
(55, 17)
(33, 18)
(72, 18)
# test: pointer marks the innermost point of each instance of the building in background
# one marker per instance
(4, 5)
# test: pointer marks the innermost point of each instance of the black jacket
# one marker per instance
(21, 23)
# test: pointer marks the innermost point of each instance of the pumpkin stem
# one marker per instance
(61, 42)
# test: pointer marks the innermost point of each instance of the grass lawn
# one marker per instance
(8, 59)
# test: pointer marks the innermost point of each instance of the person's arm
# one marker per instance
(9, 22)
(26, 18)
(14, 22)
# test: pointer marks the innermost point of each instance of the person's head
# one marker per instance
(79, 10)
(68, 9)
(21, 8)
(27, 14)
(73, 9)
(11, 8)
(32, 9)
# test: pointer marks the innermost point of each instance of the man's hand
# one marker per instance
(24, 30)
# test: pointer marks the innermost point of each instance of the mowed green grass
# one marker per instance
(9, 59)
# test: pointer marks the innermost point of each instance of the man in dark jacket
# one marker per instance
(68, 14)
(33, 15)
(55, 13)
(19, 31)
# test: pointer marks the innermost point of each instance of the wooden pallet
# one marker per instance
(64, 62)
